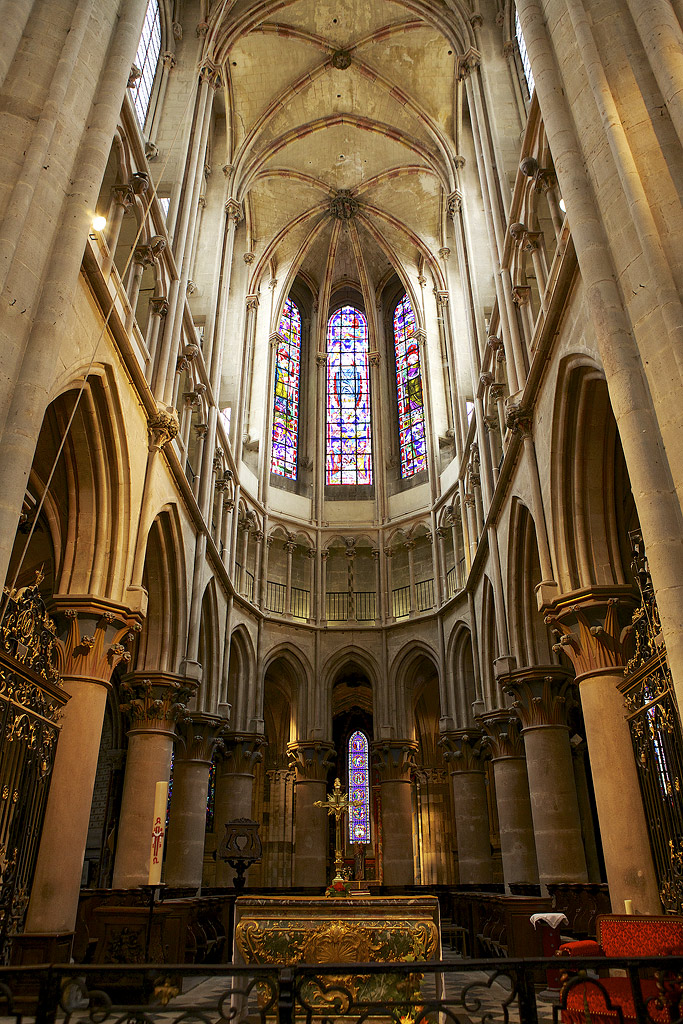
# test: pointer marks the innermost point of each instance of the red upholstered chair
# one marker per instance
(608, 1000)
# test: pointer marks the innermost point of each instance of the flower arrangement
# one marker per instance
(338, 887)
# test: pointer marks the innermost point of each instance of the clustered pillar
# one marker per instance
(464, 752)
(311, 762)
(395, 760)
(236, 759)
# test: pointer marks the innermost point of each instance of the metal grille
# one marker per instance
(366, 605)
(656, 736)
(275, 597)
(30, 701)
(401, 602)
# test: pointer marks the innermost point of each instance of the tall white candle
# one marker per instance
(156, 854)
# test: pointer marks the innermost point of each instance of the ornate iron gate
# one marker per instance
(30, 702)
(656, 736)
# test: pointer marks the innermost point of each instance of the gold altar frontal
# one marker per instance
(341, 930)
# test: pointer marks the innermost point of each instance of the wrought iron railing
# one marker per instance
(468, 990)
(300, 601)
(366, 606)
(400, 602)
(245, 581)
(337, 605)
(275, 597)
(424, 592)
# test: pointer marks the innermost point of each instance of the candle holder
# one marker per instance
(240, 848)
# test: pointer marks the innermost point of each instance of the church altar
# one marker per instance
(291, 930)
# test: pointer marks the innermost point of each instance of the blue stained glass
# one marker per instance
(359, 789)
(409, 391)
(349, 436)
(286, 397)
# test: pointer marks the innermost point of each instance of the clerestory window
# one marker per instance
(359, 789)
(411, 416)
(524, 56)
(147, 59)
(349, 432)
(286, 398)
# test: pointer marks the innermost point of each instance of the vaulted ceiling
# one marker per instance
(341, 123)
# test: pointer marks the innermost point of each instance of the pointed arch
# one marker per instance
(161, 647)
(209, 649)
(528, 633)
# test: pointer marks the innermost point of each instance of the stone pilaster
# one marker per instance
(590, 627)
(198, 735)
(94, 637)
(236, 758)
(504, 741)
(153, 703)
(311, 761)
(395, 760)
(542, 697)
(464, 754)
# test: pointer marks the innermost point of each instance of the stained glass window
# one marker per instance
(411, 417)
(147, 58)
(349, 437)
(359, 789)
(286, 400)
(526, 63)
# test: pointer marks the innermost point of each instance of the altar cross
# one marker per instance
(337, 803)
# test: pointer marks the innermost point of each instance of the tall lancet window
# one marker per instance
(526, 63)
(349, 435)
(286, 398)
(359, 789)
(147, 58)
(411, 416)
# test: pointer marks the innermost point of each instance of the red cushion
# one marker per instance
(620, 994)
(635, 936)
(585, 947)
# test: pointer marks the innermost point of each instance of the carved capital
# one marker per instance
(134, 75)
(311, 760)
(497, 392)
(374, 358)
(532, 241)
(252, 303)
(240, 752)
(444, 252)
(517, 232)
(441, 299)
(199, 734)
(394, 759)
(521, 294)
(233, 209)
(168, 60)
(123, 195)
(463, 750)
(466, 63)
(155, 701)
(201, 430)
(159, 306)
(321, 359)
(543, 695)
(593, 630)
(502, 735)
(211, 73)
(189, 353)
(163, 428)
(249, 258)
(454, 202)
(519, 420)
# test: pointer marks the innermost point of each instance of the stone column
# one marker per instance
(324, 555)
(589, 626)
(235, 762)
(410, 547)
(517, 845)
(311, 762)
(94, 641)
(198, 735)
(463, 751)
(542, 695)
(122, 198)
(379, 595)
(395, 760)
(290, 544)
(158, 312)
(153, 704)
(313, 561)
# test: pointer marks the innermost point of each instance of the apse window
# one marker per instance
(146, 59)
(359, 789)
(286, 397)
(524, 56)
(349, 435)
(411, 417)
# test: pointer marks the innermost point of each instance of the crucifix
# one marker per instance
(338, 804)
